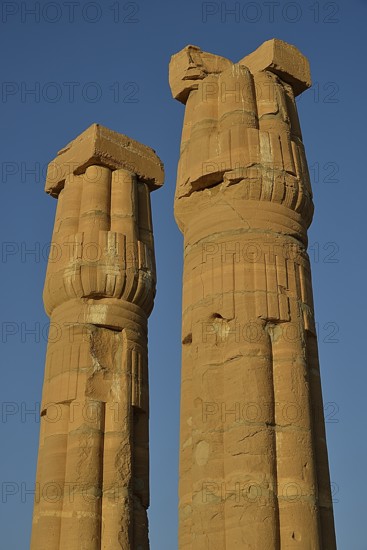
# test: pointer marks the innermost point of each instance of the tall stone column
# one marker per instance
(92, 489)
(253, 461)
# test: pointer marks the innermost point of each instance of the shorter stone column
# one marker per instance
(93, 463)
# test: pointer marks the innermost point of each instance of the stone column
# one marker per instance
(253, 459)
(93, 463)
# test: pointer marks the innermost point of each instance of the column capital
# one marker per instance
(98, 145)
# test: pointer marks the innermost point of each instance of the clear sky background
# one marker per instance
(108, 63)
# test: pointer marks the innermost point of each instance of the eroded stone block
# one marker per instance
(190, 65)
(282, 59)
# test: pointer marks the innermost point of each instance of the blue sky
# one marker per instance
(108, 63)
